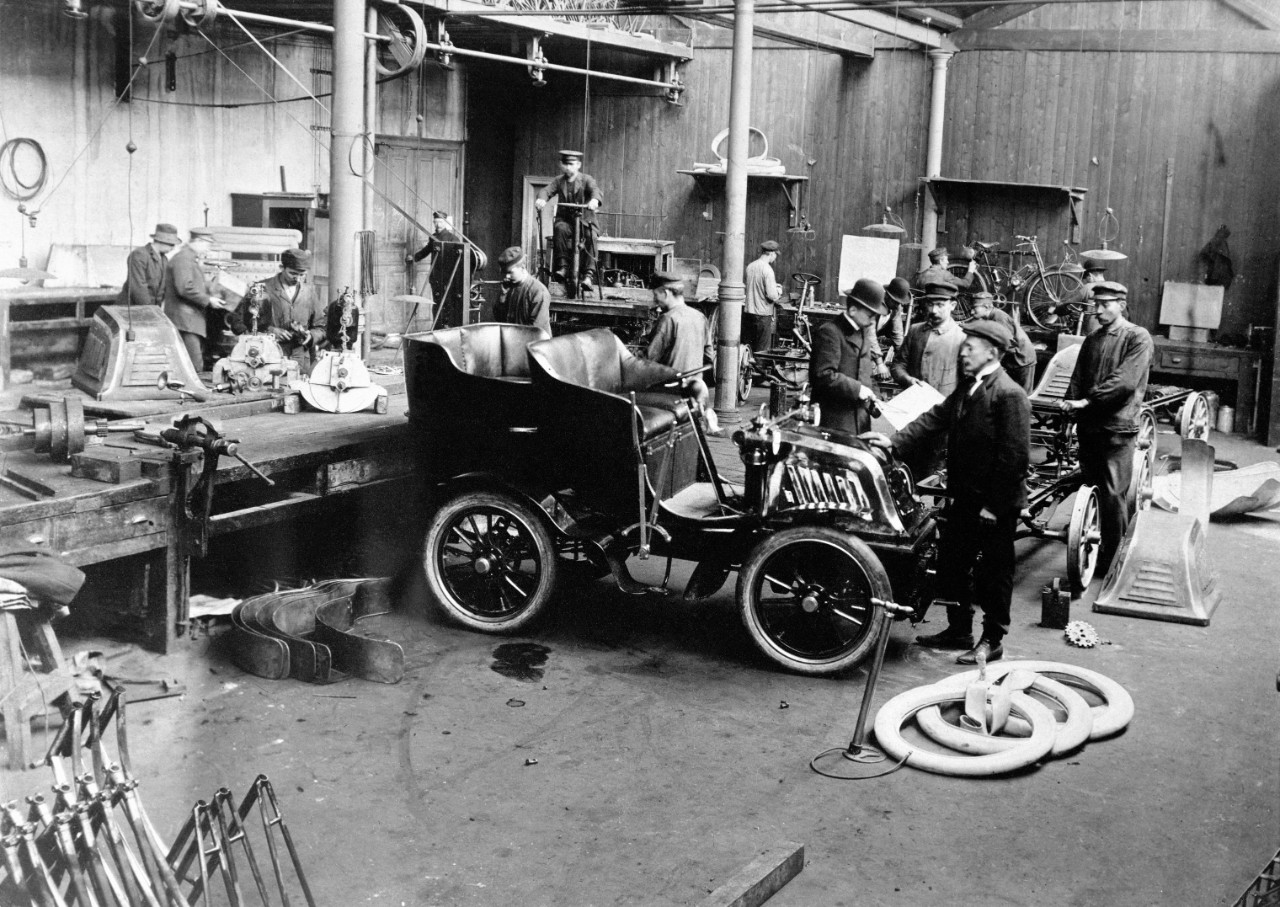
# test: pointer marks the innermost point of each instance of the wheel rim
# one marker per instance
(744, 374)
(488, 563)
(1194, 422)
(813, 601)
(1084, 537)
(1144, 461)
(1045, 304)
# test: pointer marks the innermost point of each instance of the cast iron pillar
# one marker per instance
(346, 203)
(933, 158)
(732, 289)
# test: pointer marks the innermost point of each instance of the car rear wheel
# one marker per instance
(490, 561)
(805, 597)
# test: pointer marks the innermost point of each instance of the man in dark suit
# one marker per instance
(986, 422)
(1020, 359)
(1106, 392)
(842, 363)
(144, 282)
(187, 297)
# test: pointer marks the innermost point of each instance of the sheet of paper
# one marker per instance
(903, 409)
(867, 256)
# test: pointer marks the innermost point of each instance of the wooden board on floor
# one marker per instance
(760, 879)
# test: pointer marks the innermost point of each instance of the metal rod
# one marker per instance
(279, 20)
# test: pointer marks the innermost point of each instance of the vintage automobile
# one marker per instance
(546, 451)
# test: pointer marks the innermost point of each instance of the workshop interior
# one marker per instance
(646, 452)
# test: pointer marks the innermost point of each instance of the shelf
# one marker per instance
(1074, 194)
(792, 185)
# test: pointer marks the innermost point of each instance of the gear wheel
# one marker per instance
(1081, 634)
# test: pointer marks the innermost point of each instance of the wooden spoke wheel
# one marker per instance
(1193, 418)
(1084, 538)
(1138, 497)
(490, 561)
(805, 596)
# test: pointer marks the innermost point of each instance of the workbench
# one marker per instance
(311, 456)
(1233, 365)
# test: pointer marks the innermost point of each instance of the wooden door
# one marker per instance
(419, 176)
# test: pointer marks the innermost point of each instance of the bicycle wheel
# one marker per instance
(1055, 300)
(960, 270)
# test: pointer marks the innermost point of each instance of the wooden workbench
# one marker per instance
(311, 456)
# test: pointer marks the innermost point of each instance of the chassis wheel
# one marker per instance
(1050, 300)
(1084, 537)
(1138, 497)
(805, 597)
(490, 561)
(746, 369)
(1193, 418)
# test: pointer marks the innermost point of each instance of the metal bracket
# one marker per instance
(533, 52)
(444, 55)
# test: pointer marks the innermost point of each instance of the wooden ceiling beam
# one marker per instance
(812, 30)
(1256, 12)
(923, 14)
(1150, 40)
(998, 15)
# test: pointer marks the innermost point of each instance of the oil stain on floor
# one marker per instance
(521, 661)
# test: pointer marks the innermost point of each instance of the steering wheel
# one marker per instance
(805, 279)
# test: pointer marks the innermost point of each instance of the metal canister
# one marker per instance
(1226, 419)
(777, 398)
(292, 403)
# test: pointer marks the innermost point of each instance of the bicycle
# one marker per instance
(1046, 292)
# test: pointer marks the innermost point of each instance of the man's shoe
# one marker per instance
(990, 651)
(947, 639)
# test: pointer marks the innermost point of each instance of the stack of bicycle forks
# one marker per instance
(93, 844)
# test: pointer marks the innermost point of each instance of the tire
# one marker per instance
(825, 622)
(746, 368)
(1193, 418)
(1084, 536)
(1045, 293)
(490, 561)
(1138, 497)
(1108, 719)
(963, 310)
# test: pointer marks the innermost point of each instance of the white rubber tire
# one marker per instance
(1108, 719)
(892, 715)
(1071, 733)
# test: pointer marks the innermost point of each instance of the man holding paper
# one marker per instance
(841, 366)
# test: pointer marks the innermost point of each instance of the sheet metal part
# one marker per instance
(284, 634)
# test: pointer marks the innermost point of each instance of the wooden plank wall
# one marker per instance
(1109, 122)
(857, 128)
(210, 137)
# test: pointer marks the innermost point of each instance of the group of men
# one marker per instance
(169, 273)
(984, 372)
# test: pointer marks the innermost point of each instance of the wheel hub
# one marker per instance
(809, 603)
(483, 565)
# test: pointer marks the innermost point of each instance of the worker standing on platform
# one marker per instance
(187, 297)
(1106, 392)
(147, 268)
(292, 313)
(524, 299)
(573, 187)
(760, 311)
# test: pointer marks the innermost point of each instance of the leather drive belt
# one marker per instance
(307, 634)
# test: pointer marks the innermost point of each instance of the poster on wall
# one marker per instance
(867, 256)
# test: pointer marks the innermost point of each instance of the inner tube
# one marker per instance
(1070, 734)
(1108, 720)
(890, 718)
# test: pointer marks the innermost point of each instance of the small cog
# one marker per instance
(1081, 634)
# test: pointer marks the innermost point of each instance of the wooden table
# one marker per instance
(1185, 358)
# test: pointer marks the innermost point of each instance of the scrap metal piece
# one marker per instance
(256, 652)
(380, 660)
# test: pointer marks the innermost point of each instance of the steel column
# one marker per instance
(346, 207)
(933, 158)
(732, 289)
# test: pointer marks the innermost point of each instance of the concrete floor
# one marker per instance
(665, 759)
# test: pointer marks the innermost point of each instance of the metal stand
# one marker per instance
(859, 753)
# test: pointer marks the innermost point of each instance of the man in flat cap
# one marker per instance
(144, 280)
(763, 292)
(1105, 394)
(681, 338)
(930, 350)
(986, 424)
(291, 312)
(573, 187)
(937, 272)
(188, 296)
(1020, 358)
(524, 299)
(842, 363)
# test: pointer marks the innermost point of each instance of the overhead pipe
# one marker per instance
(732, 289)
